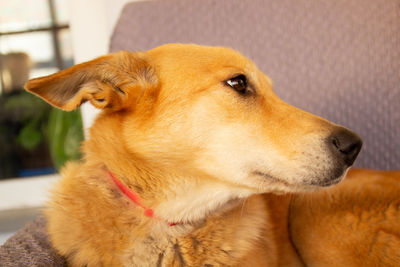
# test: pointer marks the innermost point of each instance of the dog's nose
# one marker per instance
(346, 145)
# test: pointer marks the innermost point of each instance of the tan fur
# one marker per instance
(355, 223)
(195, 150)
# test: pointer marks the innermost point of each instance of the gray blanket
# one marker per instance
(30, 247)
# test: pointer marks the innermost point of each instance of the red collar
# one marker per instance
(148, 212)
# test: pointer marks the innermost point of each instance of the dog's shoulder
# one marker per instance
(79, 222)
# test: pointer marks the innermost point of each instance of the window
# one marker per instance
(35, 138)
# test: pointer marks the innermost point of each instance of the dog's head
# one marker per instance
(205, 111)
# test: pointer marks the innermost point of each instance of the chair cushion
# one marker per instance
(30, 247)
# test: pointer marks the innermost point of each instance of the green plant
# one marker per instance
(65, 136)
(32, 121)
(29, 116)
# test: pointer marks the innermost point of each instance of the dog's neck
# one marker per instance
(174, 196)
(192, 203)
(186, 202)
(136, 199)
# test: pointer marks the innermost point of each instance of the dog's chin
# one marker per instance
(333, 177)
(311, 183)
(327, 182)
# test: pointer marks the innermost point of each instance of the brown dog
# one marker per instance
(188, 138)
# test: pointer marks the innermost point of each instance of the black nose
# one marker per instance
(346, 145)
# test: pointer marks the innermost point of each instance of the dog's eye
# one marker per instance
(239, 83)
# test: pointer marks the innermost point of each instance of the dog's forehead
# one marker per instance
(198, 58)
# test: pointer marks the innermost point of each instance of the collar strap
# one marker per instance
(148, 212)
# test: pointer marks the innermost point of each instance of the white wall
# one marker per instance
(92, 23)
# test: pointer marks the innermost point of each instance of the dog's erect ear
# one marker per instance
(115, 81)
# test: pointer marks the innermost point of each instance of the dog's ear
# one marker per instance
(115, 82)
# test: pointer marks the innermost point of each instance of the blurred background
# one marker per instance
(35, 138)
(35, 40)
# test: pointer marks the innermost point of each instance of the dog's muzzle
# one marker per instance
(345, 147)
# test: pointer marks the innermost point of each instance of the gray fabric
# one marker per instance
(30, 247)
(338, 59)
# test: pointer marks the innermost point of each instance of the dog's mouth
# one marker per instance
(335, 177)
(271, 178)
(327, 182)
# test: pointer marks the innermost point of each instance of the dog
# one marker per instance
(183, 163)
